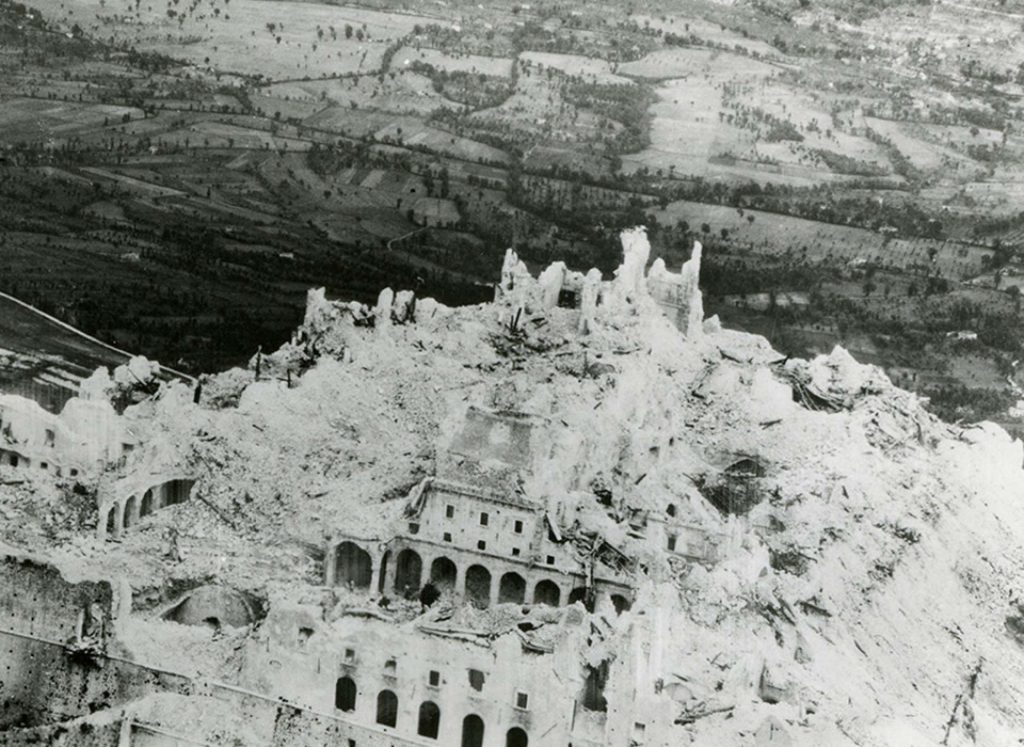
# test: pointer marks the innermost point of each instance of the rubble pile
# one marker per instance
(810, 557)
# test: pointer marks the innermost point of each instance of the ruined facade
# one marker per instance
(578, 515)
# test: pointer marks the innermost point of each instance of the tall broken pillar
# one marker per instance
(382, 311)
(589, 296)
(678, 295)
(550, 282)
(629, 284)
(691, 294)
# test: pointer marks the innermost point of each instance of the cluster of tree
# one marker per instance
(475, 90)
(621, 46)
(843, 164)
(628, 105)
(971, 404)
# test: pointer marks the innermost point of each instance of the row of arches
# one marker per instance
(354, 568)
(121, 516)
(428, 719)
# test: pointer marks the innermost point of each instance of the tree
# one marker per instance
(348, 30)
(1001, 253)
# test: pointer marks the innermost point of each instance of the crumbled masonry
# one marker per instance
(580, 514)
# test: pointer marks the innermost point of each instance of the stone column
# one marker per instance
(389, 572)
(495, 587)
(330, 564)
(460, 580)
(119, 519)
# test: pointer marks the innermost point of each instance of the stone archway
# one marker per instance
(443, 573)
(130, 508)
(111, 522)
(354, 567)
(408, 573)
(146, 508)
(547, 592)
(478, 586)
(512, 589)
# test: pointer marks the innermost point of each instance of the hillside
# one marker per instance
(802, 554)
(43, 359)
(173, 177)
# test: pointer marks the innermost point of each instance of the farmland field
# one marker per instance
(595, 71)
(272, 38)
(25, 119)
(464, 63)
(174, 174)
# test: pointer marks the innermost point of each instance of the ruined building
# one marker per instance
(581, 515)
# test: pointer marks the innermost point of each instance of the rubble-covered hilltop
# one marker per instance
(581, 514)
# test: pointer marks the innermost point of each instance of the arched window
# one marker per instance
(671, 510)
(516, 737)
(408, 569)
(478, 586)
(345, 694)
(387, 708)
(472, 731)
(443, 573)
(620, 603)
(430, 720)
(547, 592)
(354, 566)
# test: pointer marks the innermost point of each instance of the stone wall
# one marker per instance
(490, 680)
(43, 682)
(37, 600)
(297, 728)
(80, 734)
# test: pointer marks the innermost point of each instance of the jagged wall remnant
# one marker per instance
(679, 295)
(432, 498)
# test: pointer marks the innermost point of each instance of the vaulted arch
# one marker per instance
(547, 592)
(443, 573)
(478, 586)
(620, 603)
(354, 566)
(408, 572)
(130, 507)
(512, 588)
(147, 504)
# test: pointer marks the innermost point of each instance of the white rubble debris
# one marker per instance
(879, 558)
